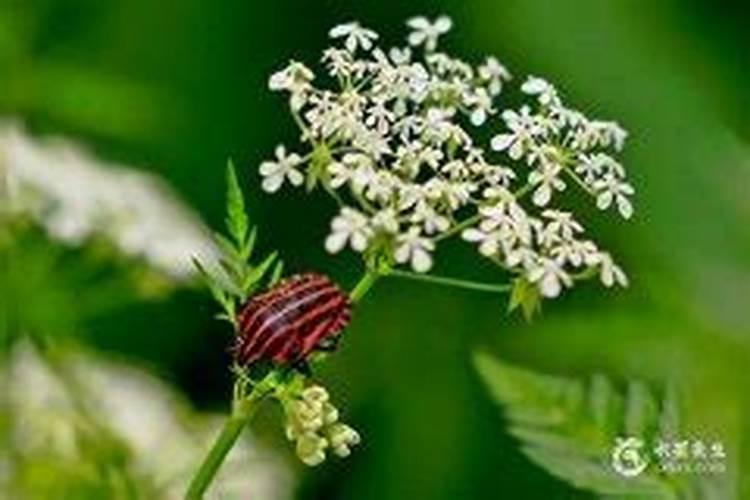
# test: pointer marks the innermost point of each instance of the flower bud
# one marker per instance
(309, 416)
(342, 438)
(315, 395)
(330, 414)
(311, 449)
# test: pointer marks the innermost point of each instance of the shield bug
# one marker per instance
(284, 325)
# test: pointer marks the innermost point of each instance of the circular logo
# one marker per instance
(627, 458)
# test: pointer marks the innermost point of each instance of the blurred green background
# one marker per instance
(181, 86)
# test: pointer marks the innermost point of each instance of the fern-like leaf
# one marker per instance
(570, 428)
(237, 221)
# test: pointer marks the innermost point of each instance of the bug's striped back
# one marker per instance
(289, 321)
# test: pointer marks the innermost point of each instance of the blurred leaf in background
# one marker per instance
(581, 431)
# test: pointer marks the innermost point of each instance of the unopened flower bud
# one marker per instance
(311, 449)
(330, 414)
(342, 438)
(315, 395)
(308, 416)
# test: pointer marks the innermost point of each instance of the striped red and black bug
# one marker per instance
(284, 325)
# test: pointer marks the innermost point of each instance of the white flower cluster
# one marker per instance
(164, 438)
(313, 422)
(391, 138)
(75, 196)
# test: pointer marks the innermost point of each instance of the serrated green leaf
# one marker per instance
(641, 411)
(605, 405)
(236, 221)
(253, 278)
(593, 475)
(276, 274)
(217, 291)
(568, 427)
(227, 247)
(233, 269)
(249, 245)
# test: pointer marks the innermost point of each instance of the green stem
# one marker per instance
(571, 173)
(454, 282)
(241, 414)
(468, 222)
(364, 285)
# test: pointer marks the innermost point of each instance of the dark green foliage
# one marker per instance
(570, 428)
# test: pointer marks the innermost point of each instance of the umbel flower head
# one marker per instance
(394, 136)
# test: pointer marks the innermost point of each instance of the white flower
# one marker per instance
(362, 170)
(340, 174)
(355, 36)
(590, 167)
(493, 74)
(523, 128)
(575, 252)
(497, 177)
(427, 33)
(411, 246)
(75, 196)
(546, 93)
(480, 103)
(613, 189)
(145, 418)
(562, 224)
(547, 179)
(430, 219)
(349, 226)
(339, 62)
(489, 242)
(380, 117)
(274, 172)
(397, 126)
(509, 221)
(400, 56)
(382, 187)
(386, 220)
(550, 277)
(610, 273)
(295, 79)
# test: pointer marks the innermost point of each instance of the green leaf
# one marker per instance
(218, 292)
(526, 296)
(278, 270)
(237, 220)
(233, 269)
(570, 428)
(256, 274)
(227, 246)
(249, 246)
